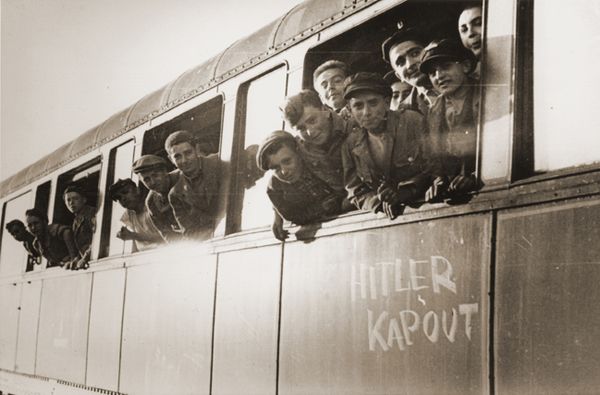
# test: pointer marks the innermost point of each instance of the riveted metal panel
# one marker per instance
(37, 169)
(112, 127)
(62, 336)
(28, 327)
(245, 350)
(9, 318)
(247, 48)
(548, 300)
(193, 80)
(168, 326)
(58, 157)
(105, 329)
(83, 144)
(397, 310)
(18, 180)
(307, 15)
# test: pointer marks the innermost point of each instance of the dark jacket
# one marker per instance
(84, 226)
(308, 200)
(194, 201)
(453, 142)
(406, 163)
(161, 212)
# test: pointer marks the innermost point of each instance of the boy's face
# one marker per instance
(36, 225)
(448, 76)
(185, 157)
(469, 27)
(286, 164)
(405, 58)
(129, 197)
(330, 87)
(400, 91)
(18, 232)
(369, 109)
(156, 180)
(314, 125)
(74, 202)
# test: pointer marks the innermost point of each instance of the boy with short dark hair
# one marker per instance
(84, 223)
(53, 241)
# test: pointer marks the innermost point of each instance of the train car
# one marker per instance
(496, 295)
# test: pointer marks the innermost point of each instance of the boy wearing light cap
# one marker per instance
(154, 174)
(452, 119)
(296, 193)
(384, 168)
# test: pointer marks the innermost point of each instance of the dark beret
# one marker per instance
(445, 50)
(402, 35)
(364, 81)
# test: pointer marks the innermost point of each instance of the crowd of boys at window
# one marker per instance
(360, 141)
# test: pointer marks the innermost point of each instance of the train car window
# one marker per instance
(13, 255)
(446, 93)
(119, 162)
(85, 179)
(260, 105)
(42, 196)
(565, 57)
(204, 122)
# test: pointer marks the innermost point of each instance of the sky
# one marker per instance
(68, 65)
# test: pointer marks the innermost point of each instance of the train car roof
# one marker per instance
(301, 22)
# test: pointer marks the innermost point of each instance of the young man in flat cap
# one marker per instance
(194, 197)
(384, 168)
(296, 193)
(452, 119)
(53, 241)
(138, 225)
(18, 231)
(328, 81)
(154, 174)
(403, 51)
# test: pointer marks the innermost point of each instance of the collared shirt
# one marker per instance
(327, 163)
(54, 248)
(141, 223)
(161, 212)
(194, 200)
(84, 226)
(305, 201)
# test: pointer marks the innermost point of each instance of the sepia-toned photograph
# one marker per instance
(299, 197)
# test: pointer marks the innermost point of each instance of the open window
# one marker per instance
(119, 167)
(259, 115)
(86, 179)
(13, 255)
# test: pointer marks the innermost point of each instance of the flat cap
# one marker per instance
(119, 185)
(148, 162)
(390, 77)
(364, 81)
(402, 35)
(445, 50)
(275, 137)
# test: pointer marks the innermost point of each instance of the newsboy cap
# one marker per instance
(149, 162)
(275, 137)
(403, 34)
(445, 50)
(118, 186)
(364, 81)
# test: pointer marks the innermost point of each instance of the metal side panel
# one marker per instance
(547, 321)
(397, 310)
(246, 321)
(28, 327)
(167, 327)
(9, 321)
(104, 344)
(62, 336)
